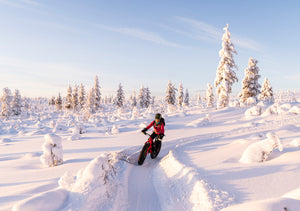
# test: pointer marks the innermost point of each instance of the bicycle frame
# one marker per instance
(150, 142)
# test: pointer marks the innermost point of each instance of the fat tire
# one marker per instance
(156, 150)
(143, 153)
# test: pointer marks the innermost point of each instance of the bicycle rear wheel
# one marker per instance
(143, 153)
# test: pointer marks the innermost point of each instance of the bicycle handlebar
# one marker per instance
(149, 134)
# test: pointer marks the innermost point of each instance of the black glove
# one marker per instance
(160, 136)
(144, 130)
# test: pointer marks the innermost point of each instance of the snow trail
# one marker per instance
(141, 191)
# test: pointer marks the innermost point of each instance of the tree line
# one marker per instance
(77, 99)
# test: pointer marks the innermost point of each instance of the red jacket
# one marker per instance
(158, 129)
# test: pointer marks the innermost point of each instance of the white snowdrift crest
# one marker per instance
(183, 189)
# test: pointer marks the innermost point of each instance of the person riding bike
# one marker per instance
(159, 128)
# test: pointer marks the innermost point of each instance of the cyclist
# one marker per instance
(159, 128)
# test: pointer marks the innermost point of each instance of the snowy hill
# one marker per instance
(199, 166)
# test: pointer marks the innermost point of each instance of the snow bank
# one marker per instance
(53, 152)
(260, 151)
(180, 188)
(49, 201)
(95, 187)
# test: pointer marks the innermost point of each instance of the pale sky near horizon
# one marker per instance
(47, 45)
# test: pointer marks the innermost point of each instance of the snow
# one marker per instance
(53, 151)
(260, 151)
(208, 160)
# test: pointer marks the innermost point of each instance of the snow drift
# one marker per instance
(260, 151)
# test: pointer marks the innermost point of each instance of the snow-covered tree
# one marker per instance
(17, 103)
(52, 150)
(186, 98)
(68, 102)
(261, 150)
(52, 101)
(75, 100)
(250, 85)
(6, 103)
(120, 96)
(133, 100)
(225, 76)
(58, 102)
(171, 94)
(266, 92)
(144, 97)
(90, 102)
(199, 100)
(147, 97)
(180, 95)
(81, 96)
(97, 94)
(209, 96)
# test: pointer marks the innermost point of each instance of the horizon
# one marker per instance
(49, 45)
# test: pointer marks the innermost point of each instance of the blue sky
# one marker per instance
(46, 45)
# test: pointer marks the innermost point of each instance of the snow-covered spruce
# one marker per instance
(209, 96)
(6, 103)
(267, 92)
(180, 95)
(52, 150)
(120, 98)
(225, 76)
(251, 87)
(171, 94)
(260, 151)
(144, 97)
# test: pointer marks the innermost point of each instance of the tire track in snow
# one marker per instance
(141, 191)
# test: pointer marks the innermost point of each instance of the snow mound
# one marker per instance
(253, 111)
(183, 189)
(115, 129)
(76, 132)
(260, 151)
(59, 127)
(295, 110)
(49, 201)
(275, 109)
(94, 187)
(200, 122)
(53, 152)
(295, 143)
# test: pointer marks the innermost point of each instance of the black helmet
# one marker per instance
(158, 116)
